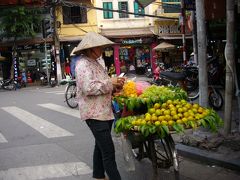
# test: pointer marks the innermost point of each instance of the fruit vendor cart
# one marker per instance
(150, 114)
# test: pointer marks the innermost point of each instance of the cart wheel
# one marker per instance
(166, 154)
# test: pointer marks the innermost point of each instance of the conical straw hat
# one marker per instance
(91, 40)
(72, 53)
(2, 58)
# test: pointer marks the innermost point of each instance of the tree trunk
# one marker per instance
(202, 53)
(229, 55)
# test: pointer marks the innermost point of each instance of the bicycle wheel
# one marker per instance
(166, 154)
(70, 96)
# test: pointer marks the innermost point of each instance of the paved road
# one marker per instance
(41, 138)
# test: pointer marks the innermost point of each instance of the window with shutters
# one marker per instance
(107, 14)
(123, 6)
(74, 15)
(171, 6)
(138, 10)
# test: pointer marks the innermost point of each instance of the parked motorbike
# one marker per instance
(188, 80)
(148, 70)
(9, 84)
(43, 78)
(52, 80)
(156, 73)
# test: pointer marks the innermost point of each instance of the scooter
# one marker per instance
(8, 84)
(43, 78)
(52, 80)
(156, 74)
(148, 70)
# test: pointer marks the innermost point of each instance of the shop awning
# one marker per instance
(126, 33)
(164, 46)
(70, 38)
(174, 37)
(7, 43)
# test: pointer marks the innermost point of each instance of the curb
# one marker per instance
(208, 157)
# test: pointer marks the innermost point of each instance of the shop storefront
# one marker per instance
(31, 62)
(170, 31)
(132, 55)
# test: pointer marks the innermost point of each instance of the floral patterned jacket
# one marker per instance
(94, 90)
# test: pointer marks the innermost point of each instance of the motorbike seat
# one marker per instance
(175, 76)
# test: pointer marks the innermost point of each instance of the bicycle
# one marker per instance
(70, 93)
(160, 151)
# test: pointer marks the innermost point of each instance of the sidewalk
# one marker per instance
(209, 147)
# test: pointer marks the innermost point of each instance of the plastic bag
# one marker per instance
(128, 154)
(141, 86)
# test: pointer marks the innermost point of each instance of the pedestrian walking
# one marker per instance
(94, 91)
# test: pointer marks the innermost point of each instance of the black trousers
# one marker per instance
(104, 152)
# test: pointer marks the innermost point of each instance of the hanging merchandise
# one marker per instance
(62, 56)
(15, 69)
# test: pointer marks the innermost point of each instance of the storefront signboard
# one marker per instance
(32, 47)
(169, 28)
(132, 41)
(31, 62)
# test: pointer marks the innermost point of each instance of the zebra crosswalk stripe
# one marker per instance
(44, 127)
(61, 109)
(55, 92)
(2, 139)
(46, 171)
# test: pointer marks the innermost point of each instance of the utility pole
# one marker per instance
(183, 31)
(202, 53)
(229, 56)
(56, 45)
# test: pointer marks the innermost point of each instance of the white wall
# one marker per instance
(123, 23)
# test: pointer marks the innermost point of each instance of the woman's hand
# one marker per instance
(118, 82)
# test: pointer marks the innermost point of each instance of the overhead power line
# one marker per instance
(71, 4)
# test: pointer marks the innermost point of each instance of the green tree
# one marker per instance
(18, 22)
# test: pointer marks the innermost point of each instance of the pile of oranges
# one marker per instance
(172, 112)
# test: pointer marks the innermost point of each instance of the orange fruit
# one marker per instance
(157, 123)
(164, 123)
(168, 117)
(154, 118)
(179, 121)
(184, 119)
(164, 105)
(170, 123)
(166, 112)
(196, 106)
(151, 110)
(180, 115)
(161, 118)
(169, 101)
(157, 106)
(158, 112)
(180, 110)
